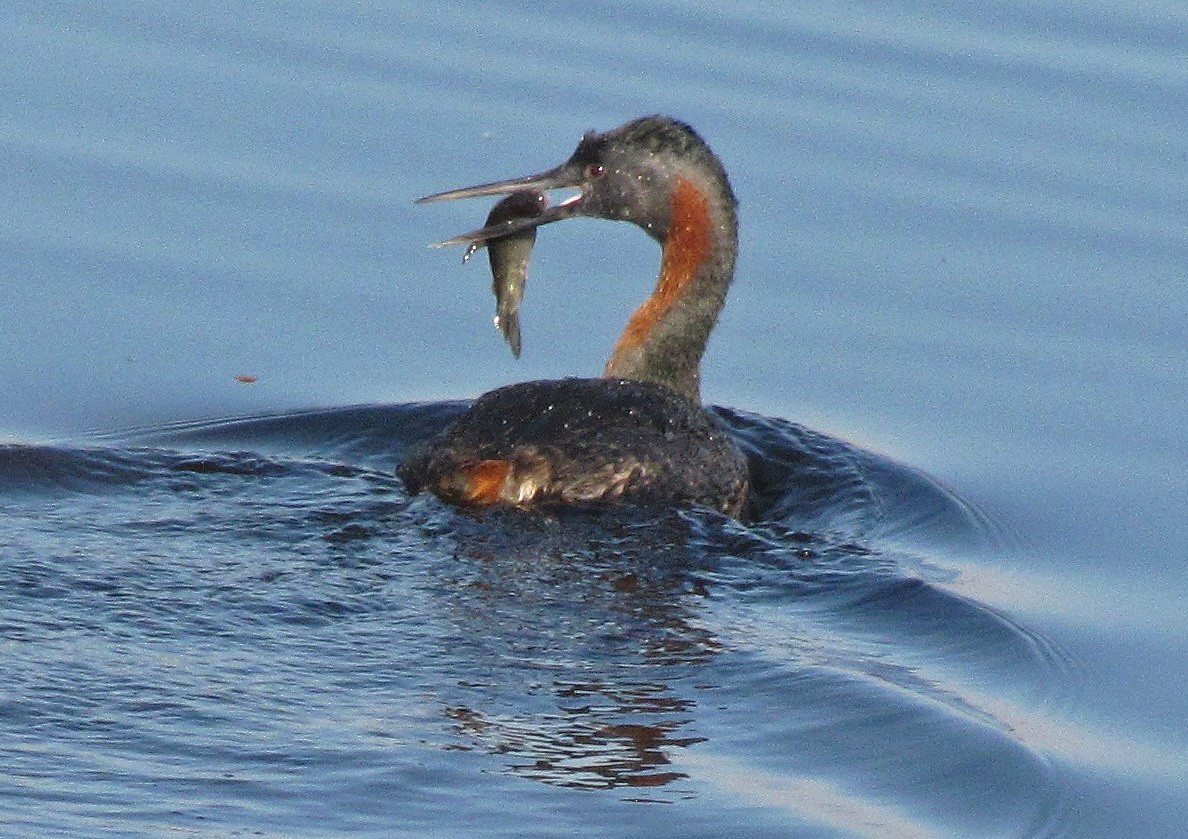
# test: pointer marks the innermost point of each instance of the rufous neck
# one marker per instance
(665, 338)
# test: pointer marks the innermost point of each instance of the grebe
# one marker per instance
(639, 433)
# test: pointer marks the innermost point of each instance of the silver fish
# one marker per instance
(509, 257)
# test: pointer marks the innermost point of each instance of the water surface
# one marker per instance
(962, 248)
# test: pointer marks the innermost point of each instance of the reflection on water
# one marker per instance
(592, 619)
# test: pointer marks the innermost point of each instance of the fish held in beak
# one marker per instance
(509, 255)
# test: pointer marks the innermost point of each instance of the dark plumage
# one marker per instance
(578, 441)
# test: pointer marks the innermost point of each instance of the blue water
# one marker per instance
(961, 282)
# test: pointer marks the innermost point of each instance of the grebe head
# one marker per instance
(627, 174)
(655, 172)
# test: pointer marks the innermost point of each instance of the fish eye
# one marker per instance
(595, 171)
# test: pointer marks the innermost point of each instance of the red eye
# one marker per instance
(595, 171)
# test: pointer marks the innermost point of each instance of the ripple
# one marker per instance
(270, 571)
